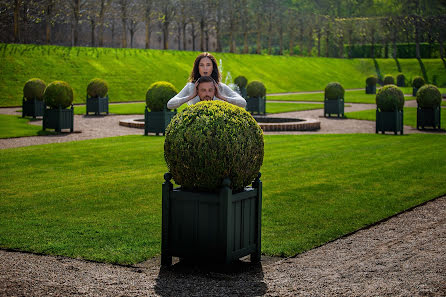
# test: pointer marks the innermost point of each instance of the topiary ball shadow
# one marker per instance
(209, 141)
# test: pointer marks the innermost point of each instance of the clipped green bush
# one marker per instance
(34, 89)
(211, 140)
(158, 94)
(256, 89)
(371, 80)
(428, 96)
(418, 82)
(58, 93)
(97, 88)
(334, 90)
(389, 80)
(390, 98)
(400, 80)
(241, 81)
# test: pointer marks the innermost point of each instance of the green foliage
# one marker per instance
(428, 96)
(371, 80)
(418, 82)
(400, 80)
(158, 94)
(58, 94)
(209, 141)
(256, 89)
(97, 88)
(241, 81)
(334, 90)
(34, 89)
(390, 98)
(389, 80)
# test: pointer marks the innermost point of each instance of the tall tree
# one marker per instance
(167, 10)
(77, 9)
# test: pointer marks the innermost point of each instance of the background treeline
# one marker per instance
(324, 28)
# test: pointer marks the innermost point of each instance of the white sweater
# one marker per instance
(181, 98)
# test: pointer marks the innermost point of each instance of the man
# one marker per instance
(206, 88)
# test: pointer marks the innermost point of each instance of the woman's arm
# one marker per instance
(225, 93)
(186, 94)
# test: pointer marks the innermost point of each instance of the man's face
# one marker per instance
(206, 91)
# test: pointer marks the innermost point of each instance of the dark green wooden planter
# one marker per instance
(400, 82)
(58, 119)
(334, 106)
(414, 92)
(97, 105)
(389, 121)
(220, 227)
(243, 93)
(157, 121)
(370, 89)
(33, 108)
(256, 105)
(427, 117)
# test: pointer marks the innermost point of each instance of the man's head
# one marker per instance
(206, 88)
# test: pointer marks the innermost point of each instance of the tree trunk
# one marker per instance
(101, 24)
(147, 33)
(124, 33)
(245, 42)
(319, 35)
(193, 36)
(291, 40)
(417, 38)
(93, 26)
(16, 20)
(179, 37)
(281, 40)
(184, 35)
(113, 34)
(76, 22)
(372, 49)
(202, 34)
(327, 42)
(206, 43)
(259, 37)
(270, 32)
(166, 35)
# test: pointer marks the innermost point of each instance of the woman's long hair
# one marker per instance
(195, 74)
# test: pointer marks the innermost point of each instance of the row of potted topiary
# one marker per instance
(371, 81)
(254, 93)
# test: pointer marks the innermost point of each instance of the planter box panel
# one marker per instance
(391, 121)
(58, 119)
(256, 105)
(429, 118)
(414, 92)
(33, 108)
(370, 89)
(97, 105)
(334, 106)
(157, 121)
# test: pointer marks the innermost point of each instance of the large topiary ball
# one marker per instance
(400, 80)
(371, 80)
(211, 140)
(97, 88)
(390, 98)
(34, 89)
(428, 96)
(158, 94)
(241, 81)
(58, 93)
(418, 82)
(334, 90)
(256, 89)
(389, 80)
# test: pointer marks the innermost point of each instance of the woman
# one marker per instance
(205, 65)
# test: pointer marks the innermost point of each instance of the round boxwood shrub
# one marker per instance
(58, 93)
(241, 81)
(418, 82)
(158, 94)
(371, 80)
(400, 80)
(97, 88)
(389, 80)
(256, 89)
(428, 96)
(390, 98)
(34, 89)
(211, 140)
(334, 90)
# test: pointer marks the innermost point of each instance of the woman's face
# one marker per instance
(205, 67)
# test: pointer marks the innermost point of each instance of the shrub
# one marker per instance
(400, 80)
(389, 80)
(334, 90)
(428, 96)
(212, 140)
(34, 89)
(371, 80)
(241, 81)
(390, 98)
(158, 94)
(58, 93)
(418, 82)
(97, 88)
(256, 89)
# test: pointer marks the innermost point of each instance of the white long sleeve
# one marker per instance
(232, 96)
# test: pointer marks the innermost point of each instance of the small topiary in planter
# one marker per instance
(334, 100)
(429, 107)
(370, 84)
(157, 96)
(417, 83)
(241, 83)
(400, 80)
(389, 109)
(97, 96)
(32, 102)
(58, 96)
(389, 80)
(256, 101)
(214, 151)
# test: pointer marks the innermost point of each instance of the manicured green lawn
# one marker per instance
(101, 199)
(409, 116)
(16, 126)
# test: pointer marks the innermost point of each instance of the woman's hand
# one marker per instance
(218, 94)
(195, 93)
